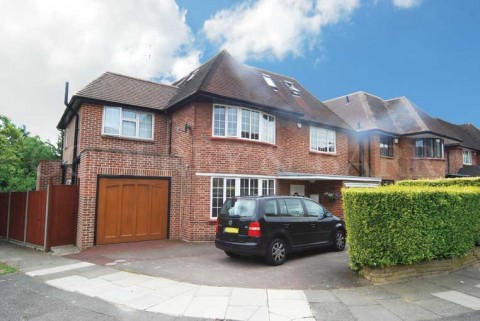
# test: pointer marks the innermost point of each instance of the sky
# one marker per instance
(426, 50)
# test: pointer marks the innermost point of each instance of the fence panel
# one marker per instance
(17, 216)
(62, 228)
(3, 214)
(36, 217)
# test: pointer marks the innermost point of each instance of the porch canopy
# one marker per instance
(349, 181)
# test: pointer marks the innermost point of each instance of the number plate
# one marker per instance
(233, 230)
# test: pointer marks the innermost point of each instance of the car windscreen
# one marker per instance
(238, 208)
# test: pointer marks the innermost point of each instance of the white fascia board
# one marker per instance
(235, 175)
(298, 177)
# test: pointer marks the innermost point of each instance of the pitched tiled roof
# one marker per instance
(398, 116)
(225, 77)
(126, 90)
(469, 134)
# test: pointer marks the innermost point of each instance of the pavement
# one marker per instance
(454, 296)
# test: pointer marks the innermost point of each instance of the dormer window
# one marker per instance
(295, 91)
(269, 81)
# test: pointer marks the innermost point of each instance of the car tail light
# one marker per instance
(254, 229)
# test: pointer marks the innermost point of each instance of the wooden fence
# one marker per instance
(40, 218)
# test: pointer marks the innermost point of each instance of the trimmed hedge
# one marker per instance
(394, 225)
(457, 182)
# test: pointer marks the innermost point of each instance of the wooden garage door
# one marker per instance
(132, 209)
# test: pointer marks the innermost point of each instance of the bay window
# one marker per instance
(429, 148)
(243, 123)
(123, 122)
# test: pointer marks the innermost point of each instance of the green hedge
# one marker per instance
(467, 181)
(404, 225)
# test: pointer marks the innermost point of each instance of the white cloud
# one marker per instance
(406, 4)
(275, 28)
(45, 43)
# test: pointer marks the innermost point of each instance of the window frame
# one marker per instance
(237, 188)
(120, 123)
(429, 148)
(469, 154)
(386, 144)
(327, 131)
(265, 132)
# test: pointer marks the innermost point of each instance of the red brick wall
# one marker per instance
(455, 159)
(48, 170)
(96, 162)
(403, 164)
(91, 116)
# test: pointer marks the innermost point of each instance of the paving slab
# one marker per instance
(331, 311)
(290, 309)
(373, 312)
(407, 311)
(352, 297)
(317, 296)
(286, 295)
(460, 298)
(59, 268)
(443, 307)
(242, 312)
(416, 290)
(173, 306)
(207, 307)
(249, 297)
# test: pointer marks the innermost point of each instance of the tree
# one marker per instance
(20, 154)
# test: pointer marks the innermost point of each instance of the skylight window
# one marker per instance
(192, 75)
(269, 81)
(295, 91)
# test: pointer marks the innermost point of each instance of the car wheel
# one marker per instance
(231, 254)
(339, 241)
(277, 252)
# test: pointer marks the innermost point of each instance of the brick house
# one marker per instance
(396, 140)
(154, 161)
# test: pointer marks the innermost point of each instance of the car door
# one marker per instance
(321, 223)
(295, 222)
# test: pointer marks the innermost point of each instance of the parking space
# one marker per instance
(202, 263)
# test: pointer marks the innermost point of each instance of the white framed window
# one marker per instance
(467, 157)
(322, 140)
(226, 187)
(123, 122)
(230, 121)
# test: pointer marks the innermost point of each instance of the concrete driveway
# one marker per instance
(202, 263)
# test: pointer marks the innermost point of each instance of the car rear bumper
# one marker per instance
(248, 248)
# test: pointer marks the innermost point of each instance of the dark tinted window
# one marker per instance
(241, 207)
(294, 207)
(270, 208)
(313, 209)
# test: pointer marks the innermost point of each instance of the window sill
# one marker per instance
(428, 158)
(143, 140)
(242, 140)
(322, 153)
(387, 157)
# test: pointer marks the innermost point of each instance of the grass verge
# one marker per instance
(6, 269)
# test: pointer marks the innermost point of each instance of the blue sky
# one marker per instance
(429, 53)
(427, 50)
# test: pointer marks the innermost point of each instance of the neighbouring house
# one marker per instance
(156, 161)
(463, 158)
(396, 140)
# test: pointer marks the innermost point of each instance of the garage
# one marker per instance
(132, 209)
